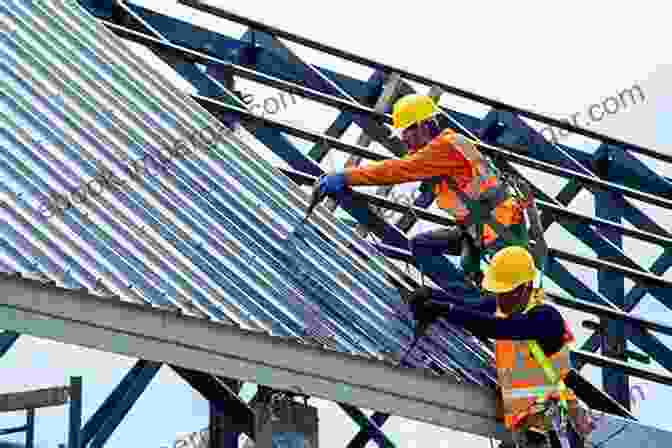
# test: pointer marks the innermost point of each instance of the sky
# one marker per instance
(555, 59)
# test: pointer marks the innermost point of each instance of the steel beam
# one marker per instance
(209, 7)
(203, 82)
(234, 49)
(335, 130)
(345, 119)
(75, 317)
(367, 425)
(121, 408)
(314, 79)
(33, 399)
(75, 420)
(30, 428)
(613, 162)
(636, 294)
(101, 8)
(363, 436)
(604, 362)
(614, 381)
(7, 431)
(387, 97)
(129, 329)
(7, 340)
(603, 311)
(192, 56)
(108, 416)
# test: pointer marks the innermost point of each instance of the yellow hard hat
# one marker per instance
(412, 109)
(509, 268)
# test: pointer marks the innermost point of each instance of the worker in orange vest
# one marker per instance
(458, 170)
(531, 352)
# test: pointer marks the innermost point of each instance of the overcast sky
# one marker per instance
(557, 59)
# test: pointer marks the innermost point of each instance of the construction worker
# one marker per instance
(451, 162)
(531, 350)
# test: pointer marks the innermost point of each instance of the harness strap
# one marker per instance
(540, 251)
(549, 371)
(481, 210)
(487, 202)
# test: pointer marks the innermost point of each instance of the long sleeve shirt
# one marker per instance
(442, 157)
(543, 323)
(438, 158)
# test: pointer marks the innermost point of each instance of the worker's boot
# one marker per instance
(531, 439)
(471, 260)
(416, 302)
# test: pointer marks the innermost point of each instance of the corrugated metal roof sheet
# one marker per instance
(210, 233)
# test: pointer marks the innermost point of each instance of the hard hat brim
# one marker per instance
(490, 284)
(408, 124)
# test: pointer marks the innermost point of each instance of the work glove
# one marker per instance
(421, 309)
(333, 184)
(418, 298)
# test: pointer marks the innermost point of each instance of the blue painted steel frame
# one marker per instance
(620, 165)
(7, 340)
(608, 246)
(615, 382)
(75, 421)
(102, 423)
(28, 428)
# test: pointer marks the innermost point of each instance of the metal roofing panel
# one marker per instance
(211, 231)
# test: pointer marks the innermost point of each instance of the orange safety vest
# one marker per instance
(481, 179)
(524, 385)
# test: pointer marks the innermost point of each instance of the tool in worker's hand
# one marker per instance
(424, 320)
(315, 198)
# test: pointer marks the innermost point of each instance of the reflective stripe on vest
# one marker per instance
(524, 381)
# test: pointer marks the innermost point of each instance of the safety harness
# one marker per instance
(482, 213)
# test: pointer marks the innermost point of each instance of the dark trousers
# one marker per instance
(452, 240)
(443, 241)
